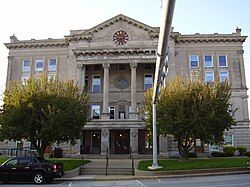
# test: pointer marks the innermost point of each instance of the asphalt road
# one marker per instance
(211, 181)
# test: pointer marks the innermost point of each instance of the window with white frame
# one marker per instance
(194, 61)
(208, 60)
(95, 111)
(209, 76)
(222, 60)
(25, 77)
(26, 65)
(148, 81)
(52, 64)
(96, 83)
(223, 76)
(39, 65)
(111, 112)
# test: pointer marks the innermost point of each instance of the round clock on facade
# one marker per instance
(120, 37)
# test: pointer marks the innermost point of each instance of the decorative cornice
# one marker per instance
(118, 18)
(79, 37)
(199, 38)
(115, 51)
(37, 43)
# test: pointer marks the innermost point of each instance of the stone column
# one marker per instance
(83, 77)
(105, 105)
(79, 76)
(242, 68)
(9, 73)
(134, 140)
(104, 141)
(133, 113)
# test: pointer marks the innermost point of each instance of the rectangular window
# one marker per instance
(122, 66)
(96, 83)
(97, 67)
(209, 76)
(208, 61)
(122, 115)
(95, 111)
(223, 76)
(39, 65)
(194, 61)
(25, 77)
(111, 112)
(222, 59)
(26, 65)
(148, 81)
(52, 64)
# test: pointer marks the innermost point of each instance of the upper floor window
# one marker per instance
(148, 81)
(26, 65)
(39, 65)
(111, 112)
(194, 61)
(222, 59)
(95, 111)
(209, 76)
(96, 83)
(223, 76)
(122, 66)
(208, 61)
(52, 64)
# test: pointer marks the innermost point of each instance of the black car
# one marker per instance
(30, 168)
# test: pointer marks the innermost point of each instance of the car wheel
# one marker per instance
(38, 178)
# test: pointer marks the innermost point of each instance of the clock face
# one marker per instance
(120, 37)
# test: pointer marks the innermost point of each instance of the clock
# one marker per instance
(120, 37)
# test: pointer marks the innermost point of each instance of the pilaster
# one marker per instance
(133, 113)
(105, 110)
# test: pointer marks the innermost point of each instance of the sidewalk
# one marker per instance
(119, 163)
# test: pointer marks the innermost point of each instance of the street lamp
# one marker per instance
(161, 67)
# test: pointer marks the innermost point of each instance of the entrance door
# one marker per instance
(122, 142)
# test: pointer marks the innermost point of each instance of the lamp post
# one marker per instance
(161, 64)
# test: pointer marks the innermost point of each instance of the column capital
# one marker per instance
(80, 66)
(241, 52)
(106, 65)
(133, 64)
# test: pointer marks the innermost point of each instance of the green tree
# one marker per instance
(43, 112)
(191, 110)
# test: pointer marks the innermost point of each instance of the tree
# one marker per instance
(43, 112)
(191, 110)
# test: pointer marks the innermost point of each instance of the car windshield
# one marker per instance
(40, 159)
(6, 161)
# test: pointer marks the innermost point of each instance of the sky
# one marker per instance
(41, 19)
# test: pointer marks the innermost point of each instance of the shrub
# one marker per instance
(229, 150)
(58, 152)
(218, 154)
(242, 150)
(192, 155)
(247, 153)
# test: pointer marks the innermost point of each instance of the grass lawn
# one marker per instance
(176, 164)
(69, 164)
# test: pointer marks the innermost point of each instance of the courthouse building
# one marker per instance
(115, 62)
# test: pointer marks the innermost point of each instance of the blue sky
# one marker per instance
(54, 18)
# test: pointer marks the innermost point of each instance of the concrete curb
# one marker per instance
(72, 173)
(197, 173)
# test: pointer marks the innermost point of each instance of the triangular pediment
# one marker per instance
(121, 18)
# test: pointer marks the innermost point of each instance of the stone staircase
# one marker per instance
(116, 167)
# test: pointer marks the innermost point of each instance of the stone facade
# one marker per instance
(114, 61)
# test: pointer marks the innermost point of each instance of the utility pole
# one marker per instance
(161, 64)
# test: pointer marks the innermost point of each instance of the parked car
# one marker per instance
(32, 168)
(248, 164)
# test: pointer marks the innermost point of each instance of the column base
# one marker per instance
(154, 167)
(133, 115)
(105, 115)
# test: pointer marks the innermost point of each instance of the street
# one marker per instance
(215, 181)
